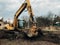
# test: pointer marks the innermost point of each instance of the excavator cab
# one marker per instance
(21, 24)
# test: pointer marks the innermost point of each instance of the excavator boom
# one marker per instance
(20, 10)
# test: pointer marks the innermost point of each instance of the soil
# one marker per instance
(43, 40)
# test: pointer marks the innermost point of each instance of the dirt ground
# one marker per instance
(44, 40)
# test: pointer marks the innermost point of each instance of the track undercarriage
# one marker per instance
(15, 34)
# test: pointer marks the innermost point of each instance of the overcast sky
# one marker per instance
(39, 7)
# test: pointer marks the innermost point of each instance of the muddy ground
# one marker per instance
(43, 40)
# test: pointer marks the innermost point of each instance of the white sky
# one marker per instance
(39, 7)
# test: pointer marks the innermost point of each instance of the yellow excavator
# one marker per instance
(32, 30)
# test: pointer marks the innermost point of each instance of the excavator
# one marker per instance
(29, 32)
(32, 29)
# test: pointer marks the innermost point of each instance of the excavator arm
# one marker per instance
(30, 11)
(27, 5)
